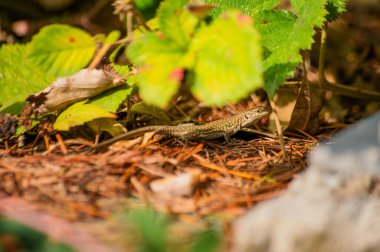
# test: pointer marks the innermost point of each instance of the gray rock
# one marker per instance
(333, 206)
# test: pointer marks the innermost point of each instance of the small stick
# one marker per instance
(279, 130)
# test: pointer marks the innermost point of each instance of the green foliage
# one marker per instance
(111, 100)
(284, 35)
(27, 239)
(147, 7)
(78, 114)
(152, 111)
(246, 6)
(156, 236)
(227, 63)
(175, 23)
(221, 58)
(207, 241)
(152, 227)
(109, 125)
(158, 58)
(335, 8)
(112, 37)
(19, 78)
(210, 53)
(61, 50)
(120, 69)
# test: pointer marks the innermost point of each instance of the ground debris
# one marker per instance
(234, 174)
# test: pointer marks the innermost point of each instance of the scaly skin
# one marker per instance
(215, 129)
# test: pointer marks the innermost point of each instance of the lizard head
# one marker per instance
(254, 114)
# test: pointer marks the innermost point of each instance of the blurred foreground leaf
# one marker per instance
(61, 50)
(19, 77)
(22, 238)
(227, 60)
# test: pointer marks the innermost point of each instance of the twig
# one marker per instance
(279, 130)
(47, 144)
(258, 132)
(203, 162)
(61, 143)
(338, 88)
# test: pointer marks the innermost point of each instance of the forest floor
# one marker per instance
(195, 181)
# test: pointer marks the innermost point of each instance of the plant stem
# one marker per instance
(322, 58)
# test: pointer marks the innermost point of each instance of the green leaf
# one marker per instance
(284, 35)
(246, 6)
(207, 241)
(28, 239)
(144, 4)
(109, 125)
(296, 34)
(311, 14)
(145, 109)
(335, 9)
(147, 7)
(274, 27)
(175, 22)
(151, 47)
(112, 37)
(111, 100)
(61, 50)
(152, 227)
(120, 69)
(275, 75)
(78, 114)
(14, 109)
(159, 65)
(19, 78)
(227, 60)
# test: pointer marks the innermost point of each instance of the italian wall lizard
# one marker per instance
(215, 129)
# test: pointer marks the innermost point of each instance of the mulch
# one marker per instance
(85, 188)
(232, 177)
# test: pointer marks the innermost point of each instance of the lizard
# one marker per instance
(211, 130)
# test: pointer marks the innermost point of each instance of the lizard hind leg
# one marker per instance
(227, 138)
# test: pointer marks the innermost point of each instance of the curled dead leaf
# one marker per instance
(69, 90)
(298, 107)
(180, 185)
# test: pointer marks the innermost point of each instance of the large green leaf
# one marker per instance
(19, 78)
(291, 34)
(227, 60)
(311, 14)
(61, 50)
(175, 22)
(284, 35)
(78, 114)
(274, 27)
(159, 62)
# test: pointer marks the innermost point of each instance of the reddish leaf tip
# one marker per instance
(177, 75)
(244, 19)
